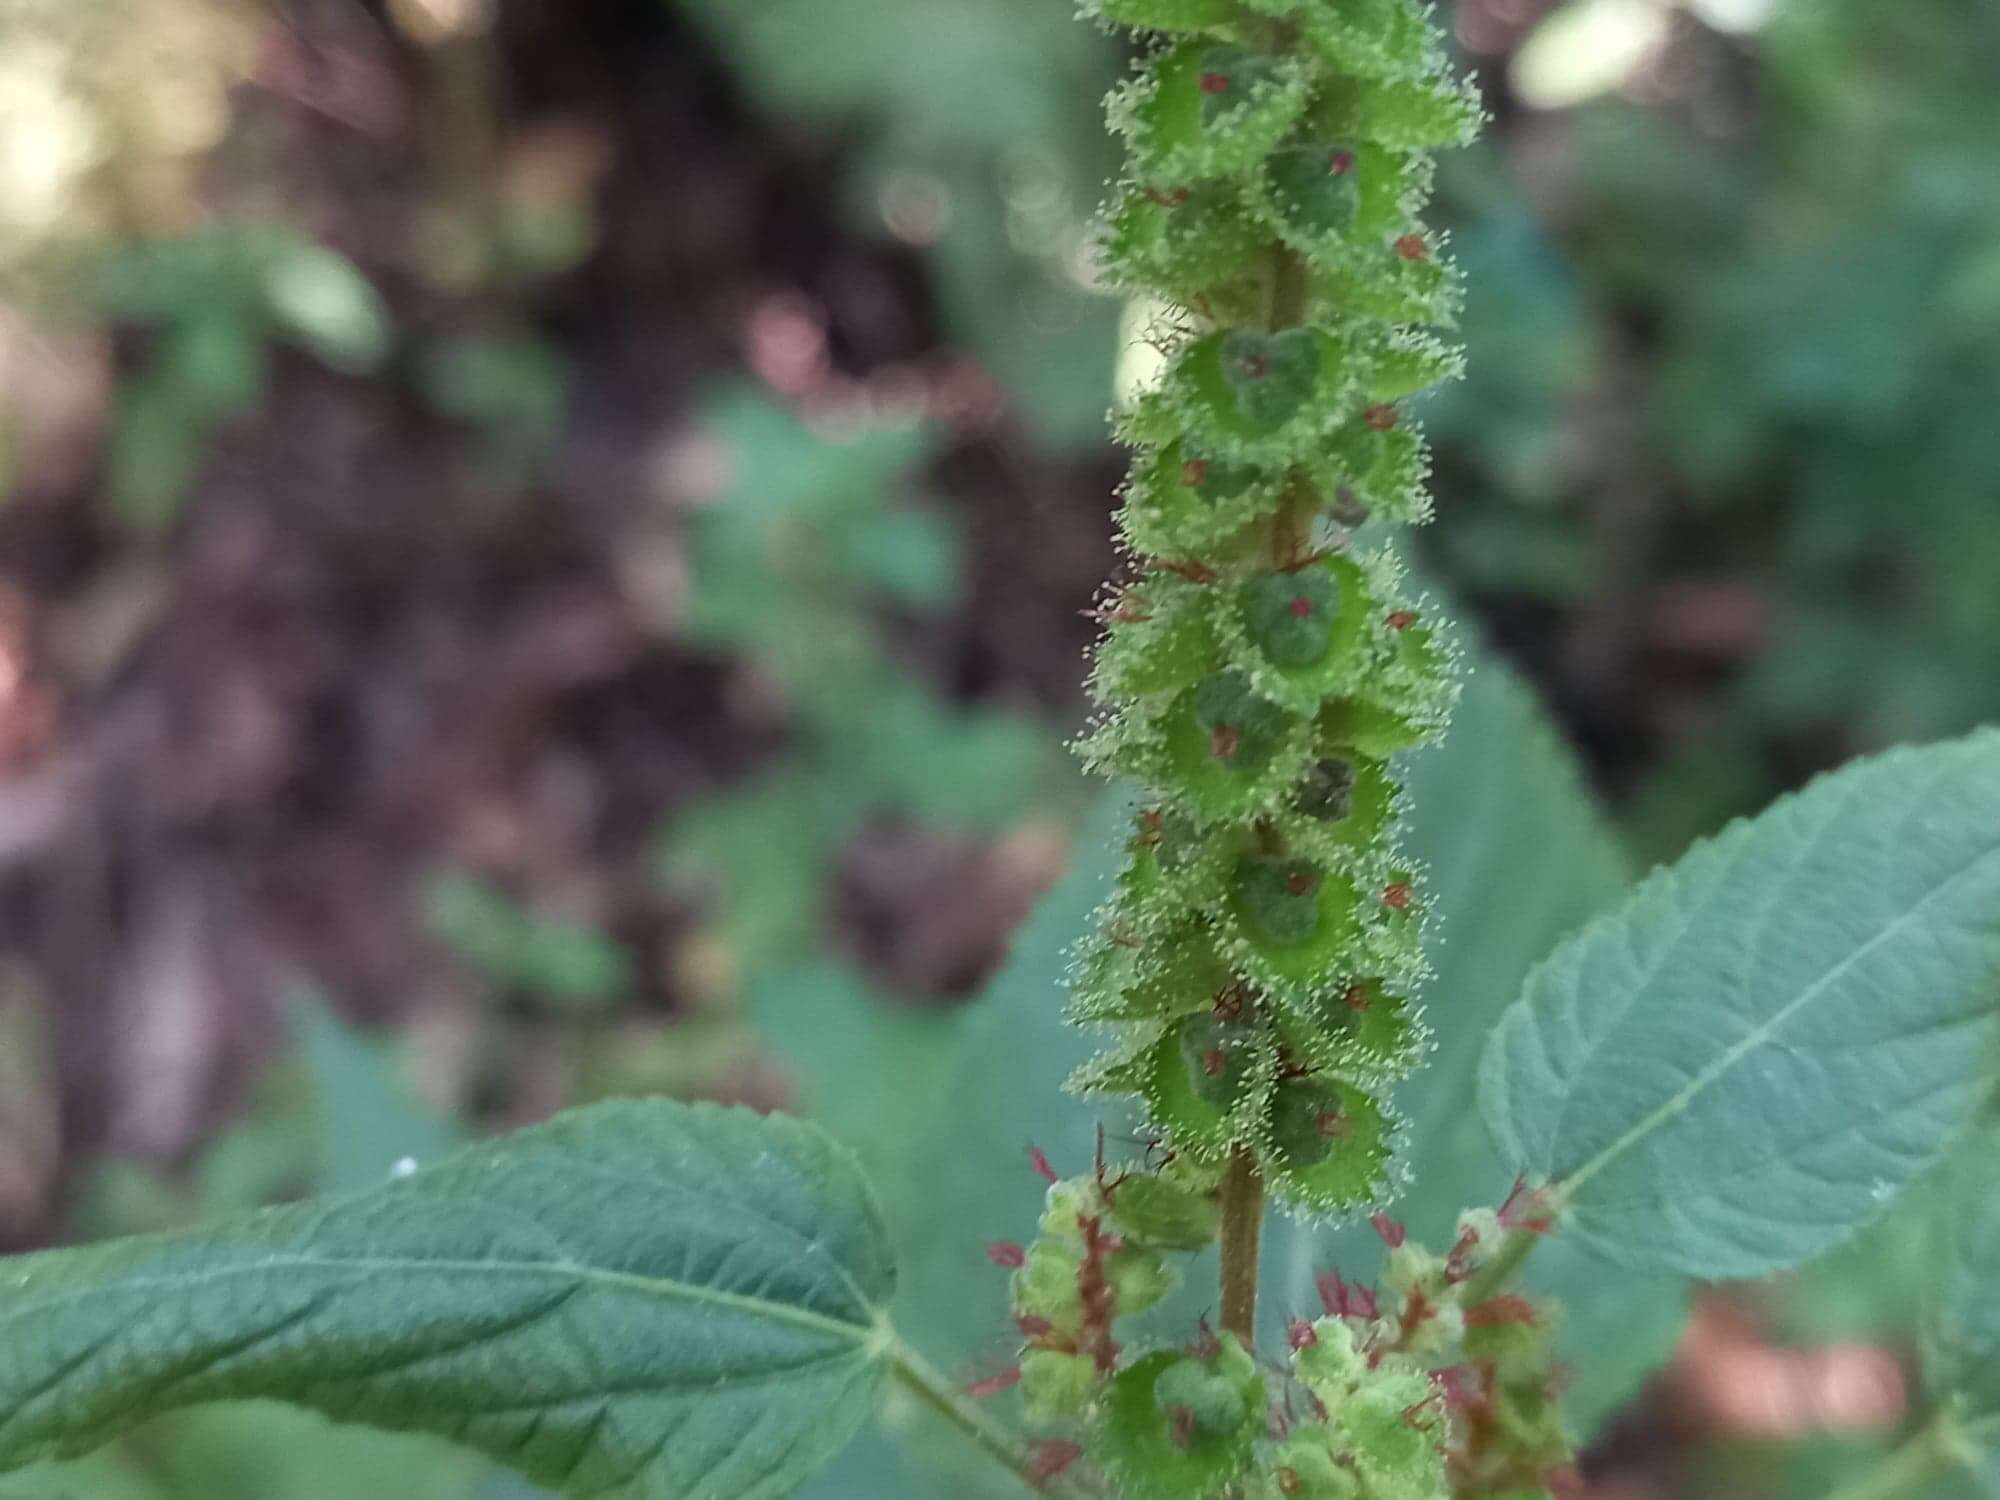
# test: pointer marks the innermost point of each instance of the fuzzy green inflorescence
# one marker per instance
(1259, 955)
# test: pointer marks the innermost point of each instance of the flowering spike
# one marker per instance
(1260, 687)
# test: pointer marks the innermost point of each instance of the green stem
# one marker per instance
(1285, 306)
(1242, 1229)
(1926, 1454)
(1493, 1277)
(995, 1439)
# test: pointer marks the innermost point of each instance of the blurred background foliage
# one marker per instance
(544, 554)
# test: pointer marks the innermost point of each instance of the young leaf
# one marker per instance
(1746, 1061)
(645, 1301)
(1962, 1318)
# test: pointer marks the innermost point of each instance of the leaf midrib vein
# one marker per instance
(1684, 1097)
(653, 1286)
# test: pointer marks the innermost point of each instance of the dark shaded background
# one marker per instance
(534, 524)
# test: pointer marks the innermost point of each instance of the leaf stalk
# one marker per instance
(999, 1442)
(1242, 1233)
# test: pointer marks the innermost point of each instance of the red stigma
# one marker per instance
(1302, 882)
(1393, 1234)
(1343, 1300)
(1357, 997)
(1006, 1253)
(1300, 1335)
(1224, 741)
(1413, 247)
(1401, 619)
(1525, 1209)
(1300, 607)
(992, 1385)
(1507, 1308)
(1041, 1165)
(1459, 1385)
(1214, 1062)
(1033, 1327)
(1398, 896)
(1341, 165)
(1381, 416)
(1194, 472)
(1215, 83)
(1052, 1457)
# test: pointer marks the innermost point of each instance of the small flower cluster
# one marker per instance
(1258, 957)
(1100, 1256)
(1478, 1370)
(1426, 1388)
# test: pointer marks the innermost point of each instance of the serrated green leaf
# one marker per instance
(1768, 1041)
(635, 1300)
(1962, 1315)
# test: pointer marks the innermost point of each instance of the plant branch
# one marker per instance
(999, 1442)
(1493, 1277)
(1242, 1230)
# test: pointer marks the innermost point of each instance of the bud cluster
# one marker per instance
(1100, 1256)
(1423, 1389)
(1426, 1387)
(1258, 957)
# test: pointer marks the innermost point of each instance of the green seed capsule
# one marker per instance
(1269, 376)
(1307, 1121)
(1199, 1405)
(1179, 1427)
(1229, 78)
(1152, 1211)
(1316, 186)
(1326, 792)
(1290, 616)
(1243, 729)
(1281, 897)
(1219, 1057)
(1216, 479)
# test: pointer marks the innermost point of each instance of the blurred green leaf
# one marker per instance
(318, 299)
(874, 1072)
(370, 1120)
(514, 388)
(1962, 1317)
(985, 113)
(564, 962)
